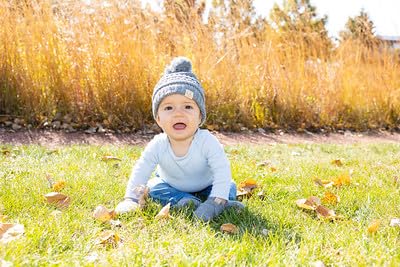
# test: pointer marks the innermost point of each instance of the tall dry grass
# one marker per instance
(98, 62)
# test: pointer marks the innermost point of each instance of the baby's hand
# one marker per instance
(127, 205)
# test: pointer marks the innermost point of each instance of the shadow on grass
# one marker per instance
(251, 224)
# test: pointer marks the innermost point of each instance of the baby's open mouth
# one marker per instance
(179, 126)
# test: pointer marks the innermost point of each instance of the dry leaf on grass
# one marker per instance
(373, 226)
(110, 158)
(5, 152)
(264, 163)
(52, 151)
(343, 179)
(246, 188)
(58, 199)
(325, 213)
(395, 222)
(229, 228)
(330, 198)
(108, 238)
(310, 203)
(103, 214)
(141, 193)
(323, 183)
(58, 186)
(337, 162)
(10, 232)
(164, 212)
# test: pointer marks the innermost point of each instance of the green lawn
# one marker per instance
(272, 230)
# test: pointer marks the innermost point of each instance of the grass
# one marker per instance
(294, 237)
(98, 61)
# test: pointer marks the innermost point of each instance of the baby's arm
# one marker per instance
(220, 168)
(136, 188)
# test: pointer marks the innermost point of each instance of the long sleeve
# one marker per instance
(220, 168)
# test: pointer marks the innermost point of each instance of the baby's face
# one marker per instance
(179, 117)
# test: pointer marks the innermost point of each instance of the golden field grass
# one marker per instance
(100, 62)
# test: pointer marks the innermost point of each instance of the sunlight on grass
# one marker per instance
(272, 229)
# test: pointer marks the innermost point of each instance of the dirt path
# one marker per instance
(57, 138)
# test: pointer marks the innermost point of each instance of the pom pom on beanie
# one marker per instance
(178, 78)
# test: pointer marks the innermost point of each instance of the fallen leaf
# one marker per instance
(246, 188)
(58, 199)
(109, 158)
(164, 212)
(10, 232)
(108, 238)
(141, 193)
(103, 214)
(330, 198)
(264, 163)
(229, 228)
(395, 222)
(325, 213)
(310, 203)
(337, 162)
(52, 151)
(342, 180)
(5, 152)
(59, 185)
(323, 183)
(273, 169)
(373, 227)
(248, 183)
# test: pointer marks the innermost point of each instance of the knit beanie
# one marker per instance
(178, 78)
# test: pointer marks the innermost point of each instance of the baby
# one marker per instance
(191, 163)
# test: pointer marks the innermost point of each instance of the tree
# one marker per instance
(235, 19)
(298, 25)
(361, 29)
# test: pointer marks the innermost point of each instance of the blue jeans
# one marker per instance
(164, 193)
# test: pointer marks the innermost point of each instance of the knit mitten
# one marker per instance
(186, 202)
(234, 204)
(209, 209)
(127, 205)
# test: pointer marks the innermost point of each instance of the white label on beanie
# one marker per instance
(189, 94)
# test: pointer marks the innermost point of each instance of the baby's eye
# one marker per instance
(167, 108)
(188, 107)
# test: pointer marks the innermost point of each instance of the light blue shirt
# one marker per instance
(204, 164)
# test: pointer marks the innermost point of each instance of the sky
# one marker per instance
(385, 14)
